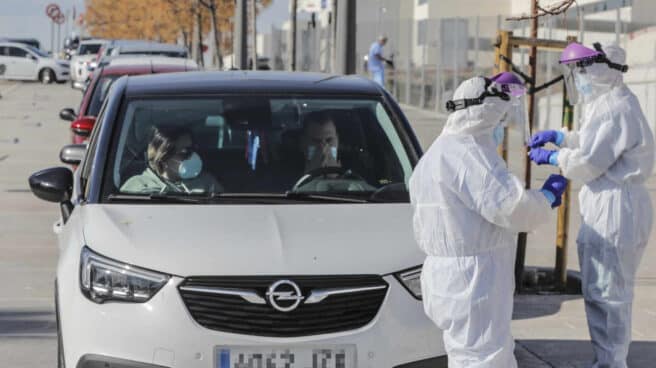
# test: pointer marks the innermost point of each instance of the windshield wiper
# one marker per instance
(156, 197)
(294, 196)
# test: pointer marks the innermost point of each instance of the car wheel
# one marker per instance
(46, 76)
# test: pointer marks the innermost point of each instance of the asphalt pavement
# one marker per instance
(550, 329)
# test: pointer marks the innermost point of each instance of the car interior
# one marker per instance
(224, 136)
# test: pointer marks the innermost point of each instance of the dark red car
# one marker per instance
(101, 80)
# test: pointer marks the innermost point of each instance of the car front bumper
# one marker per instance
(62, 74)
(162, 333)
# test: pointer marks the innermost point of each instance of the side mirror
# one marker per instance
(67, 114)
(83, 126)
(72, 154)
(52, 185)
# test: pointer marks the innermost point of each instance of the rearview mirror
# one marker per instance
(52, 185)
(72, 154)
(67, 114)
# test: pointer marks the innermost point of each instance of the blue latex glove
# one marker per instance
(539, 139)
(542, 156)
(553, 189)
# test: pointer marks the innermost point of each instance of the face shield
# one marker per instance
(576, 60)
(515, 117)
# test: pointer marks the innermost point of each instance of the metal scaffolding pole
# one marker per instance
(346, 16)
(292, 35)
(240, 47)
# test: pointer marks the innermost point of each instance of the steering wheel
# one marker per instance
(324, 172)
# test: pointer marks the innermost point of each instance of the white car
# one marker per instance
(22, 62)
(263, 256)
(85, 54)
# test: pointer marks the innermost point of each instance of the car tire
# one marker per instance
(47, 76)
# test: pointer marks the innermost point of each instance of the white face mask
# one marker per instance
(498, 134)
(312, 150)
(191, 167)
(583, 85)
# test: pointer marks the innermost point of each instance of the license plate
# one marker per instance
(342, 356)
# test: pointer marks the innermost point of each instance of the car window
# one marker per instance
(91, 151)
(17, 52)
(99, 94)
(37, 51)
(89, 49)
(246, 144)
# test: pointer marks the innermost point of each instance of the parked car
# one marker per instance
(86, 52)
(23, 62)
(95, 93)
(33, 42)
(258, 261)
(120, 48)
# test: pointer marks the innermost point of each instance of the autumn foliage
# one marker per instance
(158, 20)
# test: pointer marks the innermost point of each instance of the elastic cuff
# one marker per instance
(550, 196)
(553, 158)
(560, 137)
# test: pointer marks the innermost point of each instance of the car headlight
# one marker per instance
(411, 280)
(103, 279)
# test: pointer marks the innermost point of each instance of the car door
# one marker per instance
(4, 60)
(22, 64)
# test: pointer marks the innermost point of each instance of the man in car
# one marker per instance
(320, 141)
(173, 166)
(320, 144)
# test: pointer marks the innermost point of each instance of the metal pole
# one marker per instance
(477, 44)
(240, 49)
(58, 38)
(618, 25)
(333, 45)
(346, 56)
(293, 4)
(253, 19)
(456, 44)
(532, 61)
(52, 37)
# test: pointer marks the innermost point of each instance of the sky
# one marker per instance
(27, 18)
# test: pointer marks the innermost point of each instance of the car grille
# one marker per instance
(233, 313)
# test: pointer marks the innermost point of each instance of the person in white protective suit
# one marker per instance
(612, 154)
(468, 209)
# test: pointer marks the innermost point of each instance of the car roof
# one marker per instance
(17, 44)
(91, 42)
(137, 46)
(137, 66)
(249, 82)
(151, 59)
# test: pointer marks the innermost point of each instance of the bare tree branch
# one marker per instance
(554, 9)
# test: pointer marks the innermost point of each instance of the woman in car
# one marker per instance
(173, 166)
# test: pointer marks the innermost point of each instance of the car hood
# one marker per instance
(188, 240)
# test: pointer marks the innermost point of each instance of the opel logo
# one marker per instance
(284, 295)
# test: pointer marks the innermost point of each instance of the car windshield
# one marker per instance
(99, 94)
(39, 52)
(223, 147)
(89, 48)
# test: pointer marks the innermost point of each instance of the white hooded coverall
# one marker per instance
(468, 210)
(613, 155)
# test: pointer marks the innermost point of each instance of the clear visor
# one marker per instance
(516, 117)
(515, 90)
(569, 71)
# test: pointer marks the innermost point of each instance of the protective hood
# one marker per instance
(477, 119)
(601, 77)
